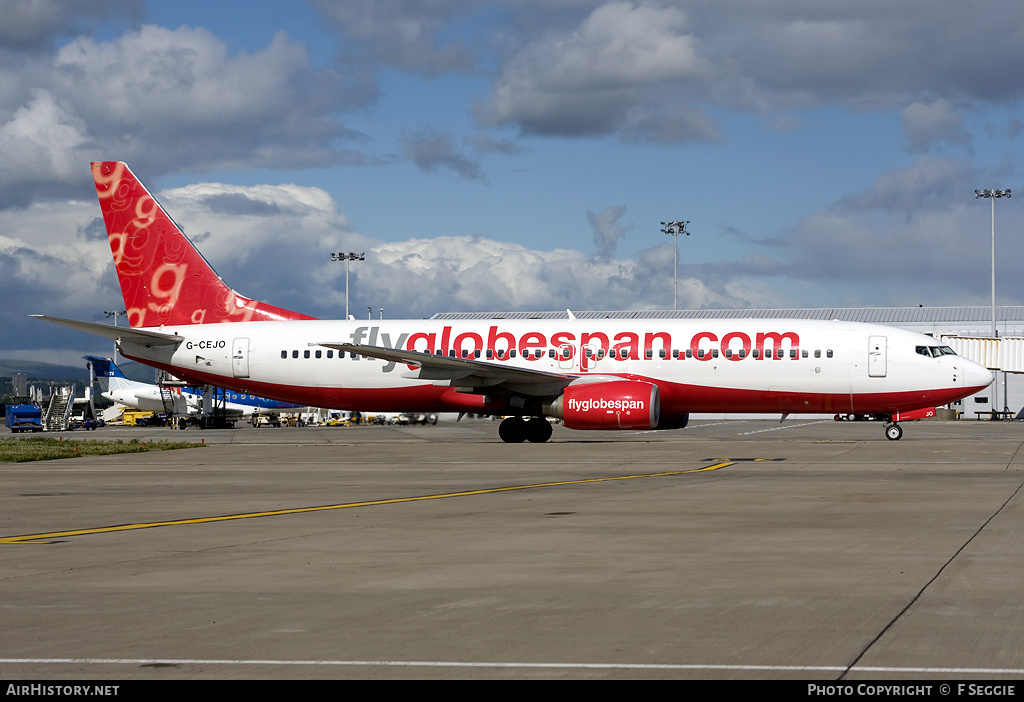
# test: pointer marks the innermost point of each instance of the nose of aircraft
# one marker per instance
(977, 376)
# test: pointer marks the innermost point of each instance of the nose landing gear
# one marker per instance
(893, 431)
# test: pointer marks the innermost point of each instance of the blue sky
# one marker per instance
(516, 155)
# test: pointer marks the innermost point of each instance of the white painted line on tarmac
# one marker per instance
(784, 426)
(511, 664)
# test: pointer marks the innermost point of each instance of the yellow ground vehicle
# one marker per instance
(138, 418)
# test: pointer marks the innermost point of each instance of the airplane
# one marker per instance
(184, 400)
(590, 374)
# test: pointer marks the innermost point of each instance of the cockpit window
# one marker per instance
(935, 351)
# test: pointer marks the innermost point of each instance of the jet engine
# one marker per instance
(619, 404)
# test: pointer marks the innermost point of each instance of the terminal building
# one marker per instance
(968, 330)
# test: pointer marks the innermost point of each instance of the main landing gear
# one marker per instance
(515, 430)
(893, 431)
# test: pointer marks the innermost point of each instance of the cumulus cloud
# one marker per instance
(927, 124)
(432, 150)
(410, 34)
(651, 71)
(916, 236)
(34, 24)
(586, 82)
(162, 99)
(927, 182)
(607, 229)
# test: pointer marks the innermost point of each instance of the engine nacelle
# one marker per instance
(618, 404)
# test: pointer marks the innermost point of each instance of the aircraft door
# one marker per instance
(240, 358)
(567, 357)
(590, 355)
(876, 357)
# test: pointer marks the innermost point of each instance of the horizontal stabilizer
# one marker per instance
(138, 336)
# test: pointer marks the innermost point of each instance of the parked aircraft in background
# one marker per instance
(605, 374)
(181, 401)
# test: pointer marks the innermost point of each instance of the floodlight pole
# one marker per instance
(992, 195)
(346, 258)
(674, 229)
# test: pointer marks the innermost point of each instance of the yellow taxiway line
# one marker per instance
(50, 536)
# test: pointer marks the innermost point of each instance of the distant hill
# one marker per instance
(42, 372)
(37, 371)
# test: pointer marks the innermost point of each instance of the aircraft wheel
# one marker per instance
(538, 430)
(512, 430)
(893, 432)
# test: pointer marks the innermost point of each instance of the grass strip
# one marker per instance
(43, 448)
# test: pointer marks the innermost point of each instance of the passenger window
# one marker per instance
(319, 353)
(829, 353)
(284, 354)
(817, 353)
(295, 354)
(305, 354)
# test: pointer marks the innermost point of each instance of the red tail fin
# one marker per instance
(164, 278)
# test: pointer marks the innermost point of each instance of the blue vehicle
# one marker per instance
(24, 418)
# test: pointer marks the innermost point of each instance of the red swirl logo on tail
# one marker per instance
(164, 279)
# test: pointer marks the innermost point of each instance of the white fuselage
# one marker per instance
(741, 365)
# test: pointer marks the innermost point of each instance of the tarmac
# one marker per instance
(733, 549)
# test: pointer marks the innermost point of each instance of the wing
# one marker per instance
(465, 372)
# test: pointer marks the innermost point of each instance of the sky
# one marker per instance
(516, 155)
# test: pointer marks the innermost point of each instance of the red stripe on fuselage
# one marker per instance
(675, 397)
